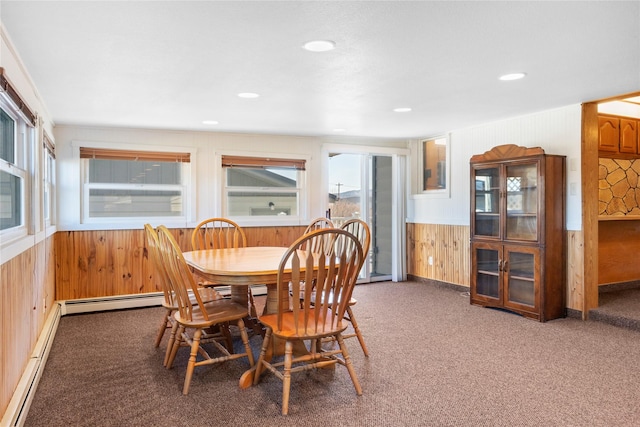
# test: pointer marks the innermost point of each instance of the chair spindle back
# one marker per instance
(331, 259)
(218, 233)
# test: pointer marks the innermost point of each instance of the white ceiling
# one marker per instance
(173, 64)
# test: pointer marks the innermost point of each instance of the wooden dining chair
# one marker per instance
(318, 224)
(197, 317)
(334, 268)
(361, 230)
(170, 303)
(218, 233)
(221, 233)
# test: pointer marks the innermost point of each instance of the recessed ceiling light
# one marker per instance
(319, 45)
(402, 110)
(512, 76)
(209, 122)
(248, 95)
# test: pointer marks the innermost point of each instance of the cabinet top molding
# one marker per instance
(507, 151)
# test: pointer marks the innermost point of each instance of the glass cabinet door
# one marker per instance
(521, 187)
(487, 271)
(520, 269)
(487, 202)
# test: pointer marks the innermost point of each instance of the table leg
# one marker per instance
(277, 345)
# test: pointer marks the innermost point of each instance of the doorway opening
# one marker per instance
(608, 126)
(361, 186)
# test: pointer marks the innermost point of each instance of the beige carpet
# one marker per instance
(435, 360)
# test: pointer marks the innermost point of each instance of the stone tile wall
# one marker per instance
(619, 187)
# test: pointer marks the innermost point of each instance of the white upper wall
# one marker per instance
(19, 77)
(208, 147)
(557, 131)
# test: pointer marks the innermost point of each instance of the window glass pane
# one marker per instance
(345, 187)
(434, 164)
(10, 200)
(134, 172)
(47, 186)
(7, 132)
(259, 189)
(46, 207)
(254, 203)
(268, 177)
(134, 203)
(127, 188)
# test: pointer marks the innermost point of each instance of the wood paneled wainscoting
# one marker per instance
(447, 246)
(92, 264)
(439, 252)
(26, 298)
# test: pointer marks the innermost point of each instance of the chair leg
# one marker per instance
(172, 339)
(263, 352)
(349, 365)
(176, 339)
(286, 380)
(192, 361)
(245, 341)
(352, 319)
(163, 328)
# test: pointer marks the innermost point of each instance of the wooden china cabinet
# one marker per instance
(518, 237)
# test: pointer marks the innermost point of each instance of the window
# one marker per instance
(48, 180)
(16, 133)
(435, 165)
(134, 184)
(12, 177)
(255, 186)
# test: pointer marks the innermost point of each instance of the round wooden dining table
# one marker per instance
(240, 268)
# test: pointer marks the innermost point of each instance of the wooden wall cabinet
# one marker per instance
(608, 134)
(518, 244)
(618, 137)
(628, 136)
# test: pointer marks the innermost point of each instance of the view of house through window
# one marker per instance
(134, 184)
(262, 187)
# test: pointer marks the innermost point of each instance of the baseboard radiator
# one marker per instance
(18, 408)
(118, 302)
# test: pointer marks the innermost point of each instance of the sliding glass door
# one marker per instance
(361, 186)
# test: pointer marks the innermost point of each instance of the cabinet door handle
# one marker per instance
(504, 265)
(499, 265)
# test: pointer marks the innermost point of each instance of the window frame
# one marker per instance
(48, 181)
(187, 187)
(21, 167)
(441, 193)
(301, 189)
